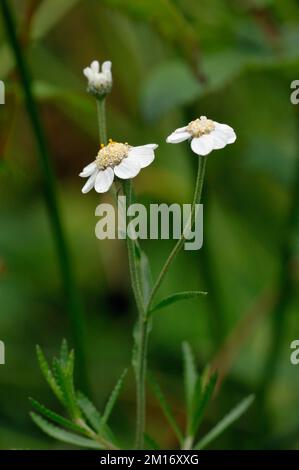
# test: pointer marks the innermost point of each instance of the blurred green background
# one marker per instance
(173, 60)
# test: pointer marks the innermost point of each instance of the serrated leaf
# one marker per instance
(112, 398)
(47, 373)
(89, 411)
(225, 422)
(178, 296)
(94, 417)
(168, 87)
(62, 435)
(200, 403)
(166, 408)
(65, 382)
(52, 416)
(190, 378)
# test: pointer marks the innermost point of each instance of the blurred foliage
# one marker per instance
(172, 60)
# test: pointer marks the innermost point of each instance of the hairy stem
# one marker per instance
(178, 246)
(70, 289)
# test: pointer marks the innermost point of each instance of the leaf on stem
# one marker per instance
(49, 376)
(171, 299)
(62, 435)
(225, 422)
(51, 415)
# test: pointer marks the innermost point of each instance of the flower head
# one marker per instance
(99, 79)
(116, 159)
(206, 135)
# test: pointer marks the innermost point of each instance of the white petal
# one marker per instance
(150, 146)
(95, 66)
(88, 73)
(181, 129)
(106, 67)
(177, 137)
(219, 139)
(88, 170)
(227, 131)
(89, 183)
(144, 154)
(202, 145)
(128, 168)
(104, 180)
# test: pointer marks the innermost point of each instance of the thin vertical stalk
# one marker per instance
(141, 337)
(176, 249)
(73, 300)
(101, 108)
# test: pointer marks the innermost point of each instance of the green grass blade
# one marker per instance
(62, 435)
(225, 422)
(171, 299)
(166, 408)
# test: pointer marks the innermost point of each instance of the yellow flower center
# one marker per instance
(200, 126)
(111, 154)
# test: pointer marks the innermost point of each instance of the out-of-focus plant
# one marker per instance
(88, 428)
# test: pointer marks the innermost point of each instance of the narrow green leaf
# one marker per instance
(62, 435)
(200, 403)
(113, 397)
(64, 353)
(65, 382)
(89, 411)
(190, 378)
(166, 408)
(47, 373)
(145, 276)
(52, 416)
(225, 422)
(176, 298)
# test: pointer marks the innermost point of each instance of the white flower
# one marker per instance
(116, 159)
(99, 80)
(206, 135)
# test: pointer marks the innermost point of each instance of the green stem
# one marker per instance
(141, 337)
(133, 262)
(180, 242)
(101, 108)
(140, 371)
(74, 306)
